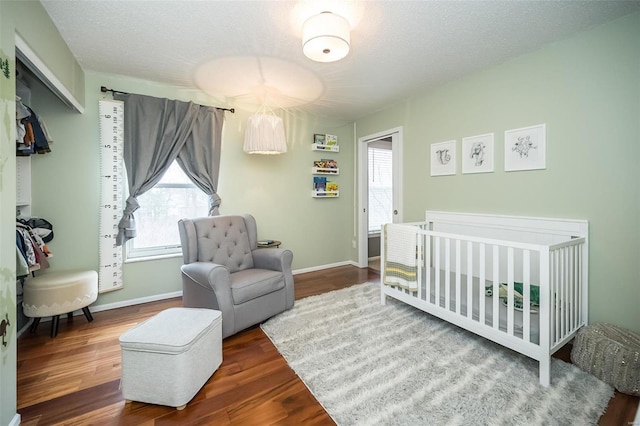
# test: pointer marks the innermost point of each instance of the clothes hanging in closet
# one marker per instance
(31, 136)
(31, 250)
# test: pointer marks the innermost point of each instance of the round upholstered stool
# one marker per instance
(57, 293)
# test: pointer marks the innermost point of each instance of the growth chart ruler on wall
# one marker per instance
(111, 181)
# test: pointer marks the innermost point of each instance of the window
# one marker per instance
(380, 185)
(172, 199)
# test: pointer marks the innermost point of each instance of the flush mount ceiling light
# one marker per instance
(325, 37)
(264, 134)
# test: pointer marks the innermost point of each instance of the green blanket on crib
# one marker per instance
(518, 298)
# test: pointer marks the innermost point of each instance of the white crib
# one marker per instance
(482, 272)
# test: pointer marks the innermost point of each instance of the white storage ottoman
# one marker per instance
(169, 357)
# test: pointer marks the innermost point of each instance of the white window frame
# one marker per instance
(157, 252)
(380, 146)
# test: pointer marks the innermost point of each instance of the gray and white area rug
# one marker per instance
(369, 364)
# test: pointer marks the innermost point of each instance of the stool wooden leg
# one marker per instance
(54, 325)
(87, 313)
(34, 325)
(69, 316)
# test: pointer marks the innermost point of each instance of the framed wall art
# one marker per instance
(525, 148)
(477, 154)
(443, 158)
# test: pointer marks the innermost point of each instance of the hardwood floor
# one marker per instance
(74, 379)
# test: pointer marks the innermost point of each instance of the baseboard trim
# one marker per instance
(15, 421)
(24, 328)
(321, 267)
(131, 302)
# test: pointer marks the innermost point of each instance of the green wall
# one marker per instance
(275, 189)
(587, 91)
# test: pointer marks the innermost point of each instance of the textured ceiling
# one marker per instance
(245, 53)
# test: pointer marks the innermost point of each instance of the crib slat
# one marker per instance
(496, 287)
(559, 289)
(562, 288)
(584, 305)
(470, 279)
(576, 289)
(579, 282)
(510, 291)
(572, 287)
(551, 292)
(419, 262)
(545, 303)
(447, 274)
(576, 275)
(570, 318)
(565, 275)
(526, 287)
(428, 266)
(556, 294)
(569, 284)
(437, 268)
(482, 300)
(458, 277)
(567, 295)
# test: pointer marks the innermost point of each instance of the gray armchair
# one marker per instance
(224, 270)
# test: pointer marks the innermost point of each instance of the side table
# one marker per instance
(268, 244)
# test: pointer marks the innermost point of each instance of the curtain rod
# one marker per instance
(103, 89)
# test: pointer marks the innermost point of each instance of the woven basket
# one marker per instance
(610, 353)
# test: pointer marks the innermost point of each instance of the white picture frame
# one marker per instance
(525, 148)
(443, 158)
(477, 154)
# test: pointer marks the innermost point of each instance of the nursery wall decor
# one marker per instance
(443, 158)
(477, 154)
(525, 148)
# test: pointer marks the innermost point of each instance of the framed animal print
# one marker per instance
(443, 158)
(525, 148)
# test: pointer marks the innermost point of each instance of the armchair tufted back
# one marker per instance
(225, 240)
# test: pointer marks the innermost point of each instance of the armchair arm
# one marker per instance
(273, 259)
(277, 260)
(208, 285)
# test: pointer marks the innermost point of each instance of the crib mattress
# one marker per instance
(487, 300)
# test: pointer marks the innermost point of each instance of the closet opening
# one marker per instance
(34, 144)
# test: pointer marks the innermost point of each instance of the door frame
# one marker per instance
(396, 150)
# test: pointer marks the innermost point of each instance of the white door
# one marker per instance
(373, 196)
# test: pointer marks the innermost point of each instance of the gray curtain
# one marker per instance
(201, 161)
(155, 131)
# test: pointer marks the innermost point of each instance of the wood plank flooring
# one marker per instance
(74, 378)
